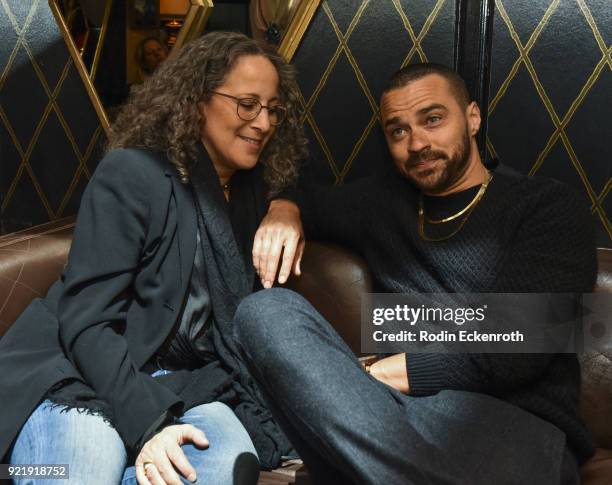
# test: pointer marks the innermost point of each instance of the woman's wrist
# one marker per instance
(285, 205)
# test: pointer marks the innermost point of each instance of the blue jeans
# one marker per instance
(350, 428)
(96, 455)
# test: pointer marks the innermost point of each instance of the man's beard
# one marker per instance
(447, 170)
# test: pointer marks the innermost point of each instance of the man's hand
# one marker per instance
(280, 231)
(162, 454)
(392, 371)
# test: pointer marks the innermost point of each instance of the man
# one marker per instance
(445, 224)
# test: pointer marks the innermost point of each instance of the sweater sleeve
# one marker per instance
(332, 213)
(553, 251)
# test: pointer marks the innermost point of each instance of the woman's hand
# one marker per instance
(280, 230)
(162, 454)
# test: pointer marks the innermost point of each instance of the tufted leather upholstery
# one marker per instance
(30, 261)
(596, 395)
(332, 280)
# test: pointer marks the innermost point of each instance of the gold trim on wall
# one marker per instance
(298, 25)
(80, 66)
(195, 22)
(101, 37)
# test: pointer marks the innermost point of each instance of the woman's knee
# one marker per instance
(87, 443)
(221, 427)
(230, 457)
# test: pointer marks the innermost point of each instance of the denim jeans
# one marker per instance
(350, 428)
(96, 455)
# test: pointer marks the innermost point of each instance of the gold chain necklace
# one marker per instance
(467, 210)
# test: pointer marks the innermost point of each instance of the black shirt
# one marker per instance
(527, 234)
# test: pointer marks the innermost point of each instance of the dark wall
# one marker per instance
(230, 15)
(551, 95)
(111, 76)
(49, 131)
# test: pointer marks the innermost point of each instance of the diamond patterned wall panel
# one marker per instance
(50, 133)
(349, 50)
(551, 95)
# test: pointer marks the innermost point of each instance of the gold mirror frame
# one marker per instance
(80, 65)
(195, 22)
(297, 27)
(100, 42)
(200, 11)
(194, 25)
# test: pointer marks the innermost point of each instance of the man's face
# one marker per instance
(429, 133)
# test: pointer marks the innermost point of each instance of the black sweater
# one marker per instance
(527, 234)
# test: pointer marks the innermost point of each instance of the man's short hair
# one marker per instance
(413, 72)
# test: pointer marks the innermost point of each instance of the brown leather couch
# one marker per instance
(333, 280)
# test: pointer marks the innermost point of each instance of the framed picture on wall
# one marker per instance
(144, 14)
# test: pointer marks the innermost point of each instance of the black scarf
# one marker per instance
(226, 235)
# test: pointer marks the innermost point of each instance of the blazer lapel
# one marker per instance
(187, 226)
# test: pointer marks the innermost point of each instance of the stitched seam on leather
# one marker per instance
(22, 285)
(10, 293)
(35, 236)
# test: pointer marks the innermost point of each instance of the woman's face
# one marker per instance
(232, 143)
(154, 54)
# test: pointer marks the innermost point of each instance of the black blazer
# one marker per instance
(130, 261)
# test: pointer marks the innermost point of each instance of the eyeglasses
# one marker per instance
(248, 109)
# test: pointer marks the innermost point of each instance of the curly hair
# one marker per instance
(162, 115)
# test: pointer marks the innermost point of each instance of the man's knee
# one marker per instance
(263, 314)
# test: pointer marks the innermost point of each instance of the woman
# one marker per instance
(150, 53)
(129, 359)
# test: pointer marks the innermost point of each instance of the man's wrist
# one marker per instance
(367, 362)
(391, 371)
